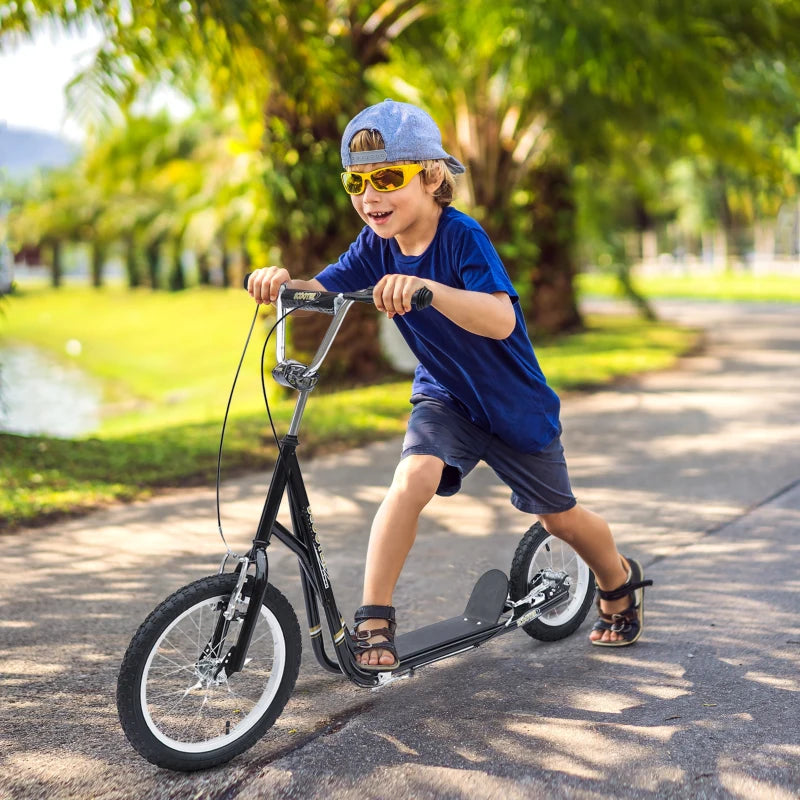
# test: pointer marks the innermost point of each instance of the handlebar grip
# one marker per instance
(422, 298)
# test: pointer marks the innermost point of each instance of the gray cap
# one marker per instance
(409, 134)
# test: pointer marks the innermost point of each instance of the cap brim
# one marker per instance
(456, 167)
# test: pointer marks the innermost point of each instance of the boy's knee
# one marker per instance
(417, 477)
(563, 525)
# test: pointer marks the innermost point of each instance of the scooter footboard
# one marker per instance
(480, 617)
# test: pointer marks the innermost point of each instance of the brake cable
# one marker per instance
(229, 552)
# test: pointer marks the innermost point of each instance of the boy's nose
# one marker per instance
(371, 194)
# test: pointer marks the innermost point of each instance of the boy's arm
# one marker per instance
(264, 284)
(484, 314)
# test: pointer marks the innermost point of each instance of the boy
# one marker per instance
(478, 392)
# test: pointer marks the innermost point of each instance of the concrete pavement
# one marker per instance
(698, 473)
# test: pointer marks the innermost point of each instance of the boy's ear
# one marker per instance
(436, 177)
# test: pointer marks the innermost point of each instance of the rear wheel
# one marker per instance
(176, 708)
(538, 550)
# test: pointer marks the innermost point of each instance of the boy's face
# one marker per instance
(391, 214)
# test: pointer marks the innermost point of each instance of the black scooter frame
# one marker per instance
(303, 541)
(438, 641)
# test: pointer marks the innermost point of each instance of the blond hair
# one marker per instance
(432, 169)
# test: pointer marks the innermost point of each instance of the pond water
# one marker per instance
(41, 395)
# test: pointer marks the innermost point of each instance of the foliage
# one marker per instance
(545, 102)
(573, 108)
(275, 60)
(148, 182)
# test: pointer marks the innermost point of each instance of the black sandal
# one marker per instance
(629, 623)
(361, 639)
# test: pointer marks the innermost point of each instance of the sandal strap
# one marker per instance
(627, 620)
(365, 646)
(374, 612)
(624, 590)
(366, 635)
(603, 624)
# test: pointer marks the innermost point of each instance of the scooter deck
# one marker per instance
(485, 605)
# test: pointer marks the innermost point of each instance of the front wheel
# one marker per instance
(176, 707)
(539, 550)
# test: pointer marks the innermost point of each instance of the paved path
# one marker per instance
(698, 471)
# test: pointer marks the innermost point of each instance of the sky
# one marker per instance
(33, 75)
(35, 72)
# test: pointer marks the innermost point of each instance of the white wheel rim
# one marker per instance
(555, 554)
(258, 709)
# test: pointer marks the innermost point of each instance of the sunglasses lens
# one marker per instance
(353, 183)
(386, 180)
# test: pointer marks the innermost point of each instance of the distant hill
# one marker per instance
(22, 151)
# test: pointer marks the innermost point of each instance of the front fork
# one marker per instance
(235, 657)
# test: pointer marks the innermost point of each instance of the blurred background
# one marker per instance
(151, 153)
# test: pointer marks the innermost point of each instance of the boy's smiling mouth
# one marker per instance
(379, 216)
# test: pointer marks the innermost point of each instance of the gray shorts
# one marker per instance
(539, 482)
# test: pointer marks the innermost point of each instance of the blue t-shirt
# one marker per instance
(497, 384)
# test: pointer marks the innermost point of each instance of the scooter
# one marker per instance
(212, 667)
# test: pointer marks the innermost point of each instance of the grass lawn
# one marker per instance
(729, 286)
(166, 362)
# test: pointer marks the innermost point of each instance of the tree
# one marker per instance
(276, 59)
(155, 187)
(530, 92)
(55, 209)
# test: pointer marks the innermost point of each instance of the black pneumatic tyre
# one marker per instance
(173, 710)
(539, 550)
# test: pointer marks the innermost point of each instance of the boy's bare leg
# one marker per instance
(589, 535)
(393, 532)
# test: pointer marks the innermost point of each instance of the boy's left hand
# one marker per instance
(392, 294)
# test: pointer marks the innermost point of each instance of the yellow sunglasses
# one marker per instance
(383, 179)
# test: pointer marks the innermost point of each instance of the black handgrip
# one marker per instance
(422, 298)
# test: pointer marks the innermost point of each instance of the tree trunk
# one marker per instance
(132, 264)
(306, 248)
(204, 269)
(246, 263)
(98, 262)
(539, 254)
(553, 307)
(629, 291)
(225, 266)
(57, 274)
(177, 277)
(356, 355)
(153, 253)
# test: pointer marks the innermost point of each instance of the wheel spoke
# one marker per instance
(165, 673)
(546, 552)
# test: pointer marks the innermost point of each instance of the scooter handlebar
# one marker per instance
(312, 300)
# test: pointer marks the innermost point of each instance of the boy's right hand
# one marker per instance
(264, 284)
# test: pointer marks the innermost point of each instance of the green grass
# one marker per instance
(162, 358)
(613, 347)
(166, 362)
(728, 286)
